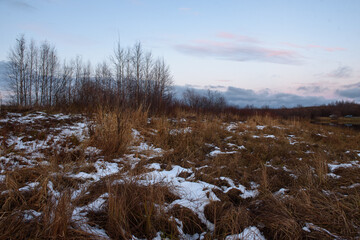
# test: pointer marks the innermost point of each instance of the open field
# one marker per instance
(340, 120)
(124, 175)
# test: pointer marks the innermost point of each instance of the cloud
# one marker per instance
(18, 4)
(312, 89)
(243, 97)
(314, 46)
(239, 38)
(351, 91)
(235, 47)
(238, 52)
(353, 85)
(341, 72)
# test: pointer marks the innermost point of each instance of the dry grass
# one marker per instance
(135, 210)
(44, 218)
(287, 160)
(112, 132)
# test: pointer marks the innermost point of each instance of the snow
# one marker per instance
(306, 229)
(216, 152)
(135, 134)
(259, 127)
(245, 193)
(55, 194)
(291, 139)
(333, 175)
(193, 195)
(30, 214)
(355, 185)
(33, 148)
(144, 147)
(249, 233)
(180, 131)
(92, 151)
(269, 136)
(61, 116)
(82, 175)
(103, 169)
(231, 127)
(78, 130)
(79, 217)
(333, 167)
(155, 166)
(236, 146)
(310, 226)
(281, 192)
(29, 186)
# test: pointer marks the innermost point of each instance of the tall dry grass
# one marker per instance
(112, 131)
(135, 210)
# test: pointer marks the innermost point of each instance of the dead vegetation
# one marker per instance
(121, 175)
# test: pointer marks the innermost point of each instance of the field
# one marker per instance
(340, 120)
(125, 175)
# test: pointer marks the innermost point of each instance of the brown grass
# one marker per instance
(112, 132)
(301, 170)
(132, 209)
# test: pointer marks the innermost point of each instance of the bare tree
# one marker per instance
(118, 60)
(64, 87)
(78, 70)
(44, 72)
(32, 59)
(211, 101)
(17, 70)
(53, 65)
(148, 74)
(134, 78)
(137, 65)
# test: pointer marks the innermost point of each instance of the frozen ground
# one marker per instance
(29, 141)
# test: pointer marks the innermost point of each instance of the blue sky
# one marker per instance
(308, 51)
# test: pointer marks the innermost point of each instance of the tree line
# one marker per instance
(131, 77)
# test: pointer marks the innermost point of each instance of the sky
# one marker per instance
(276, 53)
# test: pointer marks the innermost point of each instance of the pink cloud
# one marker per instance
(239, 38)
(236, 52)
(279, 53)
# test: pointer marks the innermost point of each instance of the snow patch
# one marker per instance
(249, 233)
(30, 214)
(245, 193)
(333, 167)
